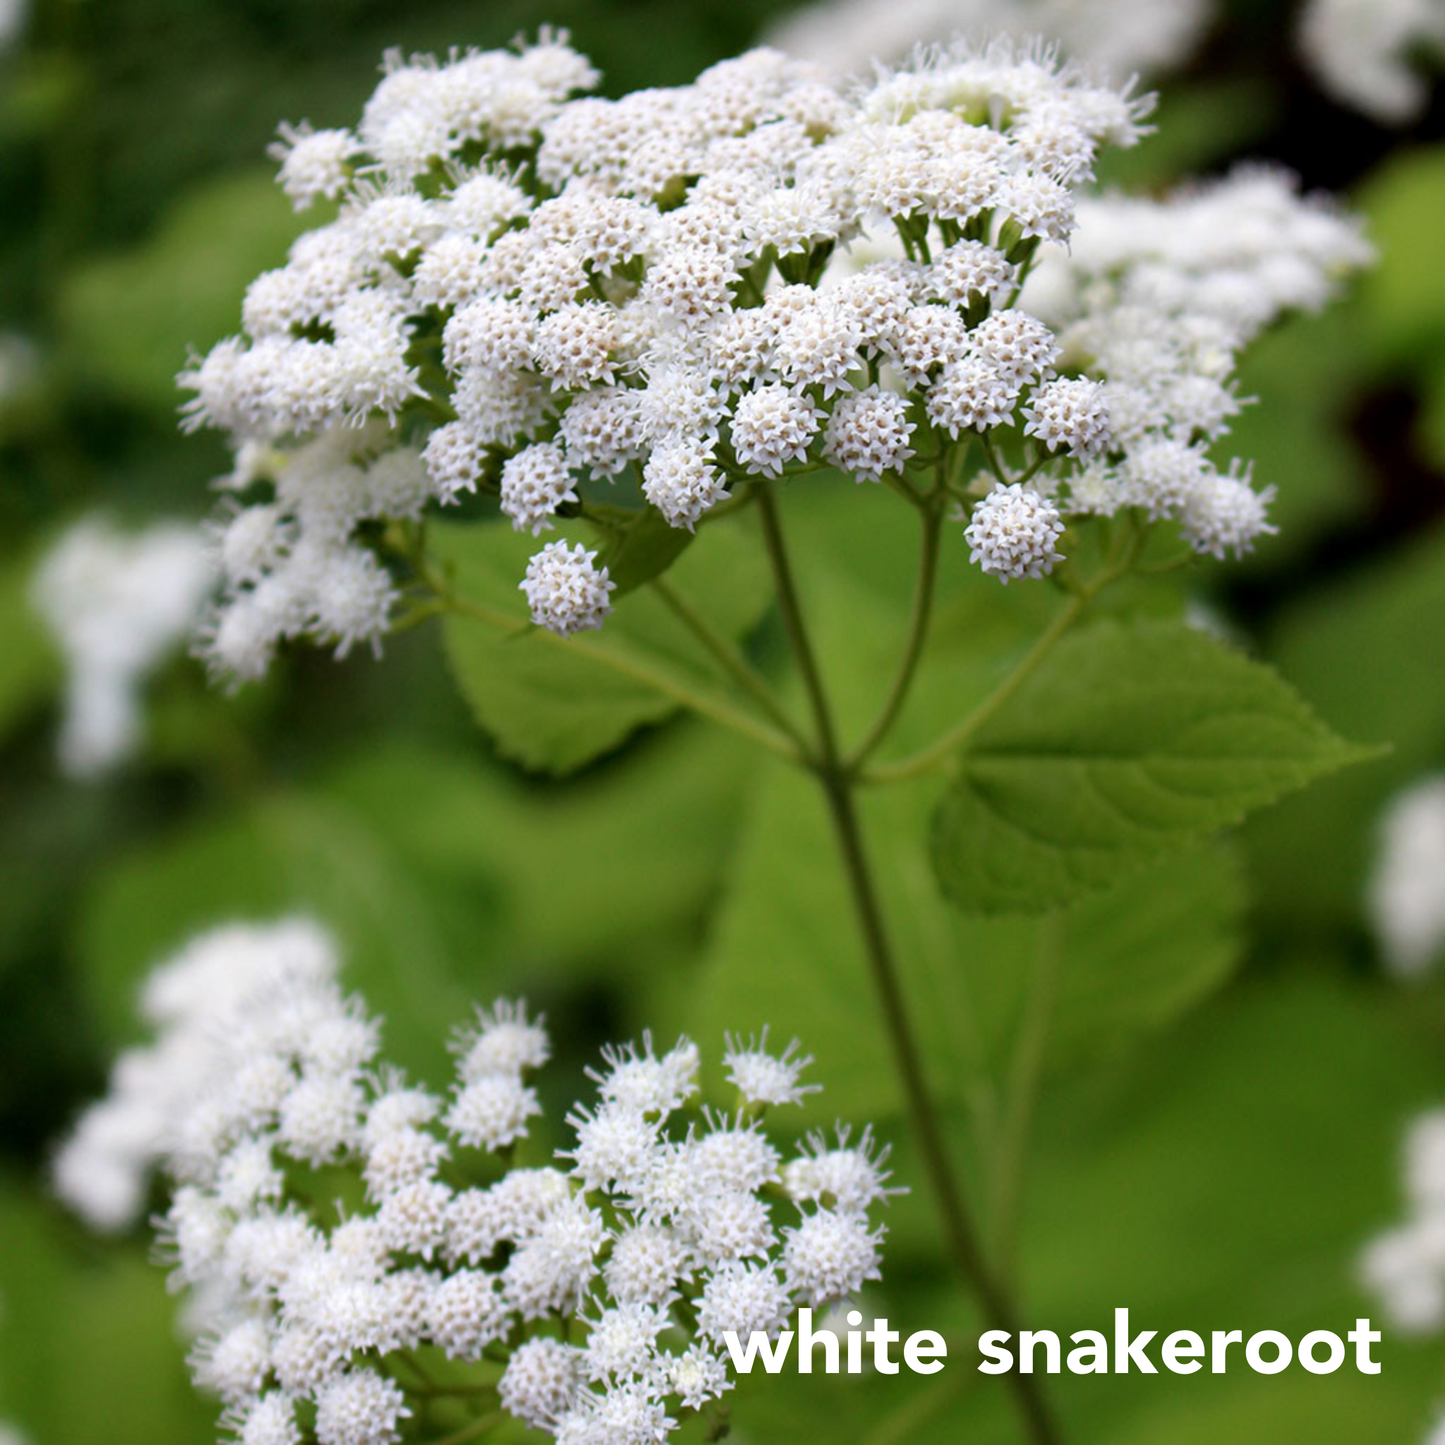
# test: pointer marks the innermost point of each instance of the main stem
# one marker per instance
(837, 782)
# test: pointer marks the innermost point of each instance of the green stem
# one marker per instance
(838, 785)
(472, 1431)
(797, 631)
(1025, 1071)
(913, 647)
(990, 455)
(941, 749)
(727, 655)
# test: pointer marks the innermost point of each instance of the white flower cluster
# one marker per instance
(661, 1228)
(524, 293)
(1407, 890)
(1122, 37)
(1405, 1267)
(1363, 52)
(118, 604)
(1156, 298)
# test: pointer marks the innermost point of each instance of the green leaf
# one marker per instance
(89, 1345)
(1128, 741)
(786, 951)
(554, 706)
(638, 545)
(643, 840)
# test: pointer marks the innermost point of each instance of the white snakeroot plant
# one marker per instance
(357, 1249)
(623, 330)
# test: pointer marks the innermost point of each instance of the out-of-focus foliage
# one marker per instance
(1225, 1074)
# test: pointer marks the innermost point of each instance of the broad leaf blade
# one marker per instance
(1129, 741)
(553, 708)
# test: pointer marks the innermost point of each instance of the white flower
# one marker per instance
(566, 591)
(772, 426)
(1013, 532)
(501, 1040)
(540, 1382)
(1072, 415)
(637, 1079)
(270, 1419)
(681, 481)
(535, 483)
(413, 1218)
(315, 165)
(465, 1313)
(622, 1341)
(646, 1264)
(117, 604)
(1407, 894)
(697, 1376)
(848, 1178)
(743, 1298)
(399, 1158)
(492, 1112)
(1224, 514)
(829, 1256)
(614, 1145)
(1361, 52)
(868, 434)
(359, 1407)
(764, 1078)
(261, 1063)
(234, 1365)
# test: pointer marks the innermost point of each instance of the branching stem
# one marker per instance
(729, 657)
(838, 789)
(913, 646)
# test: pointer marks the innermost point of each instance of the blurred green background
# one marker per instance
(1219, 1169)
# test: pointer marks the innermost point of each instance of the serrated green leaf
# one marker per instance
(786, 951)
(554, 706)
(1128, 741)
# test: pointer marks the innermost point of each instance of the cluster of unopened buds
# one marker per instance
(358, 1248)
(692, 292)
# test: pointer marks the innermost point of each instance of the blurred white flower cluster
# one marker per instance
(1121, 37)
(1407, 889)
(1369, 55)
(593, 1295)
(118, 604)
(1405, 1268)
(1364, 52)
(1157, 297)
